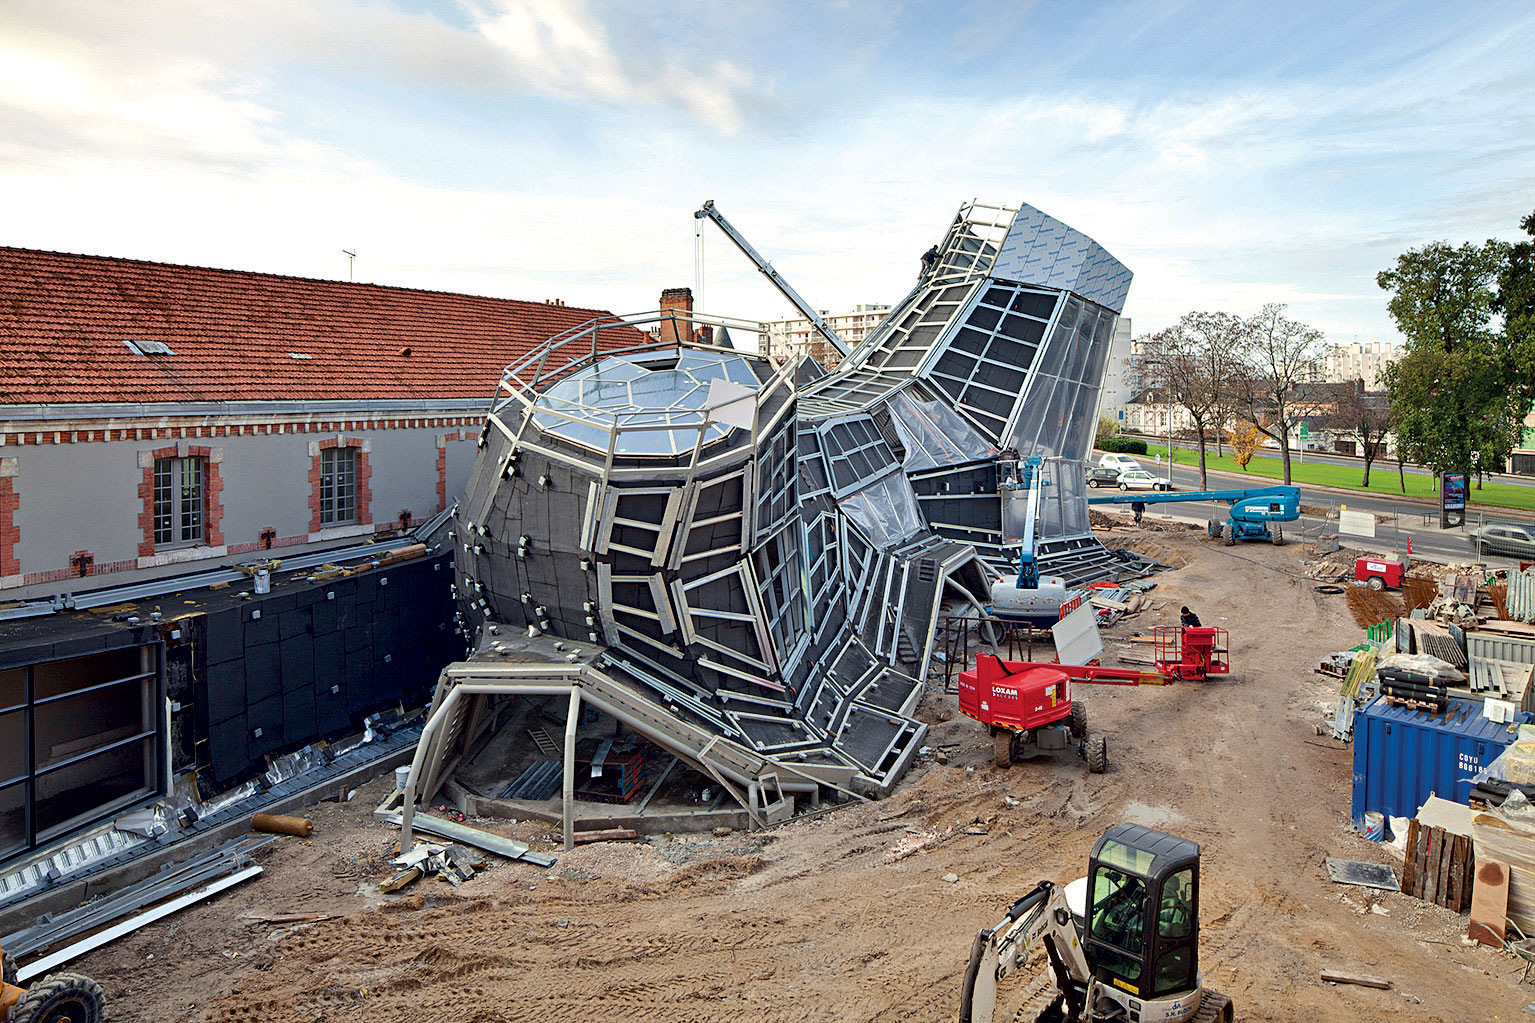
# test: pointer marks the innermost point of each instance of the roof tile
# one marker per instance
(64, 317)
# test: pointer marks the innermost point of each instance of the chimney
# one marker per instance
(679, 303)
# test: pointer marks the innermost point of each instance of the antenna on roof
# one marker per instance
(351, 260)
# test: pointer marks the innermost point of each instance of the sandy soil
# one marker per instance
(818, 920)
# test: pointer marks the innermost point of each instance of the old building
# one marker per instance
(160, 424)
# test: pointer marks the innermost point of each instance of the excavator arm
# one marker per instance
(1040, 916)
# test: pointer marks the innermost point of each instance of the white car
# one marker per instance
(1140, 479)
(1124, 463)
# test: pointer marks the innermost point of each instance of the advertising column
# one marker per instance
(1453, 511)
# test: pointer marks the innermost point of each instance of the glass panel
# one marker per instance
(191, 499)
(1119, 910)
(80, 724)
(164, 501)
(13, 745)
(13, 687)
(55, 678)
(1175, 972)
(13, 818)
(85, 787)
(1175, 917)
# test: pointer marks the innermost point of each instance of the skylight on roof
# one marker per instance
(144, 346)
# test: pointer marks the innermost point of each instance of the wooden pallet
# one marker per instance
(1439, 867)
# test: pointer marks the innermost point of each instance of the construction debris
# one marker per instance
(1359, 979)
(451, 863)
(606, 835)
(1439, 867)
(1366, 875)
(108, 919)
(508, 847)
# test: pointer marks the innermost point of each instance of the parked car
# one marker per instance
(1102, 476)
(1140, 479)
(1508, 540)
(1116, 461)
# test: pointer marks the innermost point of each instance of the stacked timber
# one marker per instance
(1439, 867)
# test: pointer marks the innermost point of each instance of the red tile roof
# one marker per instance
(64, 318)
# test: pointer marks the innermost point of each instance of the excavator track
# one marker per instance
(1214, 1007)
(1041, 1001)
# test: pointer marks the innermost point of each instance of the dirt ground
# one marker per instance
(820, 920)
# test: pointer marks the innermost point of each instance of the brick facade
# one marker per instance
(10, 533)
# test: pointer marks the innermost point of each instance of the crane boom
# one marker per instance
(710, 211)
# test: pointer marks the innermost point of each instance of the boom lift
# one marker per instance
(1032, 598)
(1134, 955)
(1255, 512)
(710, 211)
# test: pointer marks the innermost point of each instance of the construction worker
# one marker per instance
(1188, 619)
(1138, 508)
(929, 260)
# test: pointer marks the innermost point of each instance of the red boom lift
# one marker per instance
(1028, 705)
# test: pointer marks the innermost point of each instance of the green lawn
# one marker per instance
(1383, 477)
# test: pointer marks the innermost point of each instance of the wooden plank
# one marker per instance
(1410, 859)
(1489, 904)
(1361, 979)
(1470, 878)
(1431, 868)
(1446, 848)
(1457, 867)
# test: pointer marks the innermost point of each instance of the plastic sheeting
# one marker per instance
(886, 511)
(934, 435)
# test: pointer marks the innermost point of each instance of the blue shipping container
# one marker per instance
(1401, 756)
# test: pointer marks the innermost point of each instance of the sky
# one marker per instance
(1230, 154)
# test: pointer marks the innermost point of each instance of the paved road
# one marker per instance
(1418, 523)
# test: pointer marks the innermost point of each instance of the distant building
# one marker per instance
(1122, 376)
(1359, 361)
(782, 337)
(1523, 458)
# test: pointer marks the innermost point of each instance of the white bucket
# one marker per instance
(1374, 826)
(263, 580)
(401, 776)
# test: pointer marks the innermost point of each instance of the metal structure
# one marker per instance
(743, 561)
(709, 211)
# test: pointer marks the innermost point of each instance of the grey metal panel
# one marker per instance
(1490, 646)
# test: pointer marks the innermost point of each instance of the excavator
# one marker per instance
(1120, 945)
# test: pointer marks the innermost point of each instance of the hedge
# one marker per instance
(1124, 445)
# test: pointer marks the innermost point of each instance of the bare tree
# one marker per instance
(1279, 355)
(1363, 417)
(1191, 364)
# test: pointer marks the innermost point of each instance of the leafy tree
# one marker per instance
(1515, 301)
(1191, 365)
(1244, 441)
(1459, 392)
(1278, 355)
(1439, 294)
(1106, 428)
